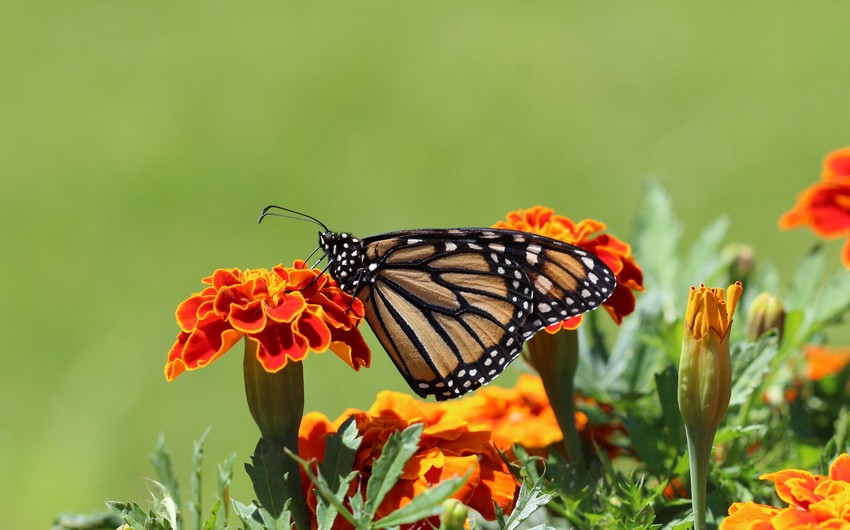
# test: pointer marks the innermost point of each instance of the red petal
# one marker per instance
(249, 318)
(279, 343)
(207, 343)
(291, 306)
(314, 330)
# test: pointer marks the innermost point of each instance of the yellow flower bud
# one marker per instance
(705, 379)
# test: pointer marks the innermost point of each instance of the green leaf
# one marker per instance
(750, 364)
(727, 434)
(246, 514)
(426, 504)
(806, 279)
(225, 478)
(161, 461)
(340, 449)
(830, 304)
(655, 239)
(210, 523)
(400, 447)
(528, 501)
(164, 505)
(280, 522)
(840, 441)
(268, 476)
(704, 261)
(130, 513)
(667, 383)
(322, 488)
(194, 503)
(91, 521)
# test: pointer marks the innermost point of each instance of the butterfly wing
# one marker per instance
(453, 307)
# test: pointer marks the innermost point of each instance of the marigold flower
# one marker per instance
(814, 501)
(287, 311)
(585, 234)
(520, 415)
(450, 446)
(825, 206)
(822, 361)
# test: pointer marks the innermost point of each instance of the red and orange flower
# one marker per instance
(523, 416)
(288, 311)
(825, 206)
(450, 446)
(814, 501)
(520, 415)
(585, 234)
(822, 361)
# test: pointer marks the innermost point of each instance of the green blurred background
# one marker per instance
(139, 141)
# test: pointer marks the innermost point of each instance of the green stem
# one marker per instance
(555, 357)
(699, 454)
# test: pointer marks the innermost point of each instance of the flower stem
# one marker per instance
(699, 455)
(555, 357)
(276, 401)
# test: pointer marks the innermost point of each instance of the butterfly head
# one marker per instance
(345, 258)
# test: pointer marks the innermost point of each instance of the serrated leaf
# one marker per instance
(732, 433)
(280, 522)
(130, 513)
(426, 504)
(830, 304)
(655, 240)
(161, 461)
(325, 492)
(806, 279)
(399, 448)
(245, 513)
(89, 521)
(704, 259)
(268, 476)
(751, 363)
(194, 503)
(528, 501)
(340, 450)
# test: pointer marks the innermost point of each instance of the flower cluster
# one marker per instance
(825, 206)
(814, 501)
(450, 446)
(288, 311)
(587, 235)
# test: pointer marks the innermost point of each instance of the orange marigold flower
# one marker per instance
(450, 446)
(822, 361)
(520, 415)
(815, 501)
(288, 311)
(825, 206)
(585, 234)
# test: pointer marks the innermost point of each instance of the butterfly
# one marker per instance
(453, 307)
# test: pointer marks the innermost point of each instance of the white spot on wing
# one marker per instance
(588, 261)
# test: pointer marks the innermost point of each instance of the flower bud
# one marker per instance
(742, 261)
(766, 312)
(454, 515)
(705, 380)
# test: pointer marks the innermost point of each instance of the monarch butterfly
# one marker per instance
(453, 307)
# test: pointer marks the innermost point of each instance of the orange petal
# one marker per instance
(314, 330)
(749, 516)
(350, 346)
(207, 343)
(836, 165)
(248, 318)
(277, 344)
(840, 469)
(794, 486)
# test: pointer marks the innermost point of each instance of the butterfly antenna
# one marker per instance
(313, 254)
(267, 212)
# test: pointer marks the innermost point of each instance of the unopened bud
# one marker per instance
(454, 515)
(742, 261)
(766, 312)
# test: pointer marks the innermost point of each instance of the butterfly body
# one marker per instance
(453, 307)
